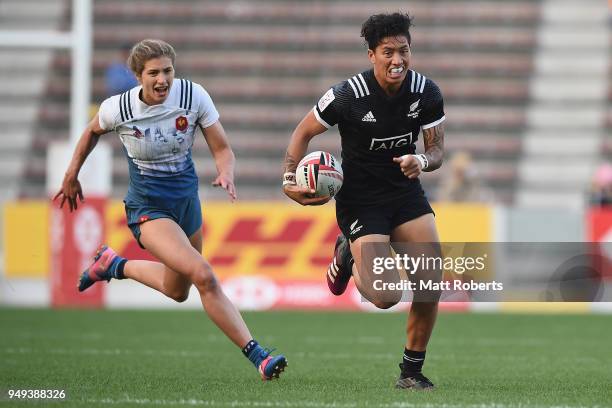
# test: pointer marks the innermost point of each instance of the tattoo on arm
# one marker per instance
(290, 163)
(433, 138)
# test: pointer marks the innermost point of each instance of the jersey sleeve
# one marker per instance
(207, 113)
(329, 108)
(108, 114)
(433, 105)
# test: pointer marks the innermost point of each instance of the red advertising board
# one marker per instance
(599, 231)
(74, 238)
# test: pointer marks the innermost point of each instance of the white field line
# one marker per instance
(481, 341)
(314, 404)
(364, 340)
(298, 355)
(179, 353)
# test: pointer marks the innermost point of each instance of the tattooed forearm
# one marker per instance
(290, 163)
(308, 128)
(433, 139)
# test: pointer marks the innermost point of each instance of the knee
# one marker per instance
(204, 279)
(178, 296)
(384, 304)
(383, 300)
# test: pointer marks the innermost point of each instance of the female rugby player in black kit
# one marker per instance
(380, 113)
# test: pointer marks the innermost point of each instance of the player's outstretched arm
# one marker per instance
(224, 158)
(71, 188)
(413, 164)
(308, 128)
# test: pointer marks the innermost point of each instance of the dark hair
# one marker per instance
(146, 50)
(380, 26)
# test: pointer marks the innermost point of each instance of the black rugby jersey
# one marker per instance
(375, 128)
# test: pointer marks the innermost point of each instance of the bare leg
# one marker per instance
(421, 321)
(363, 250)
(161, 278)
(422, 317)
(167, 242)
(157, 276)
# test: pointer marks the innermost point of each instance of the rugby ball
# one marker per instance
(321, 172)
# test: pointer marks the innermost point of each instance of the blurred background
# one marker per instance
(527, 98)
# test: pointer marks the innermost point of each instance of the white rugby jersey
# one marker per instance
(158, 139)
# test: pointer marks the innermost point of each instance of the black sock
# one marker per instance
(413, 361)
(255, 353)
(249, 347)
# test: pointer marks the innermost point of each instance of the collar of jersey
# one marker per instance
(142, 107)
(369, 76)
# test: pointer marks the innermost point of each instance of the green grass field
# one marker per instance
(336, 360)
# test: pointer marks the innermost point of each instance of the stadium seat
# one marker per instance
(264, 77)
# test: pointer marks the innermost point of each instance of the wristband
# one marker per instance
(422, 159)
(289, 178)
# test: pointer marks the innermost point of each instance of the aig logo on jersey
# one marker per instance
(390, 142)
(181, 123)
(413, 111)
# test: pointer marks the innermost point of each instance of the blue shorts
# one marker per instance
(187, 213)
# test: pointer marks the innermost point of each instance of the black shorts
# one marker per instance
(356, 221)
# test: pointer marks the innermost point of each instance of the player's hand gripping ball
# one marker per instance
(320, 171)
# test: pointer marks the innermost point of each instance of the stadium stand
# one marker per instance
(607, 142)
(566, 131)
(267, 62)
(25, 75)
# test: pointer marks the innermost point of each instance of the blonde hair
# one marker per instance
(146, 50)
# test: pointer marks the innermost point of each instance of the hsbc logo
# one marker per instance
(252, 292)
(390, 142)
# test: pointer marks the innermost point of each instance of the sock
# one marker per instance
(117, 266)
(413, 361)
(254, 352)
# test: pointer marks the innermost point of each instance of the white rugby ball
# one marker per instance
(320, 171)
